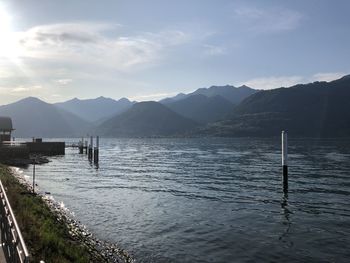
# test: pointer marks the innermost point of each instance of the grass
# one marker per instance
(46, 237)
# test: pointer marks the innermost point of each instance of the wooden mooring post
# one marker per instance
(81, 146)
(96, 150)
(91, 151)
(90, 148)
(285, 161)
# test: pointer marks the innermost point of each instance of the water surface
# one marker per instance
(210, 200)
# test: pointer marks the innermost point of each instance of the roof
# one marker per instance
(5, 124)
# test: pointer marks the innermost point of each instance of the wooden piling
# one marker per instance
(285, 161)
(81, 146)
(90, 155)
(96, 150)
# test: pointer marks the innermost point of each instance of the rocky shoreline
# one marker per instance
(97, 248)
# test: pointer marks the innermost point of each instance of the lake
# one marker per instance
(210, 200)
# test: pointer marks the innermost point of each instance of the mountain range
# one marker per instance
(146, 119)
(95, 110)
(32, 117)
(208, 104)
(201, 108)
(230, 93)
(318, 109)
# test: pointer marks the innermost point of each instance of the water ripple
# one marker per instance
(211, 200)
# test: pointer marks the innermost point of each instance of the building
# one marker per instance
(5, 129)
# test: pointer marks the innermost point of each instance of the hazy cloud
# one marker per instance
(268, 20)
(327, 76)
(273, 82)
(20, 90)
(65, 32)
(287, 81)
(212, 50)
(86, 43)
(64, 81)
(156, 96)
(5, 73)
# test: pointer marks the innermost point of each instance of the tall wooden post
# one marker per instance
(90, 148)
(96, 150)
(80, 147)
(285, 161)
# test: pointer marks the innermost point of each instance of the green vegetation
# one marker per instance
(46, 237)
(319, 109)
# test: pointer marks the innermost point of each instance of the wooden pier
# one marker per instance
(46, 148)
(19, 153)
(91, 151)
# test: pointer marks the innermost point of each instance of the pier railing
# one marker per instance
(13, 245)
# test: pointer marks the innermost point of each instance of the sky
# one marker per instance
(149, 50)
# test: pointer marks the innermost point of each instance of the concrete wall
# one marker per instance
(46, 148)
(13, 152)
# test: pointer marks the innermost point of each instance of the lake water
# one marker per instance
(210, 200)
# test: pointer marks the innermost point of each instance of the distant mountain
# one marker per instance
(319, 109)
(201, 108)
(230, 93)
(179, 96)
(95, 110)
(146, 119)
(32, 117)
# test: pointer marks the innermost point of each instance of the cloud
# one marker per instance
(87, 43)
(65, 33)
(64, 82)
(56, 96)
(327, 76)
(287, 81)
(268, 20)
(211, 50)
(273, 82)
(20, 90)
(5, 72)
(24, 89)
(169, 37)
(156, 96)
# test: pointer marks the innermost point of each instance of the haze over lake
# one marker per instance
(210, 200)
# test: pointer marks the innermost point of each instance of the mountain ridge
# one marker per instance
(318, 109)
(146, 119)
(95, 110)
(231, 93)
(33, 117)
(201, 108)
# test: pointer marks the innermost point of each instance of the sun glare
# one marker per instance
(8, 45)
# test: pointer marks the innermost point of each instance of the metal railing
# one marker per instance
(12, 241)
